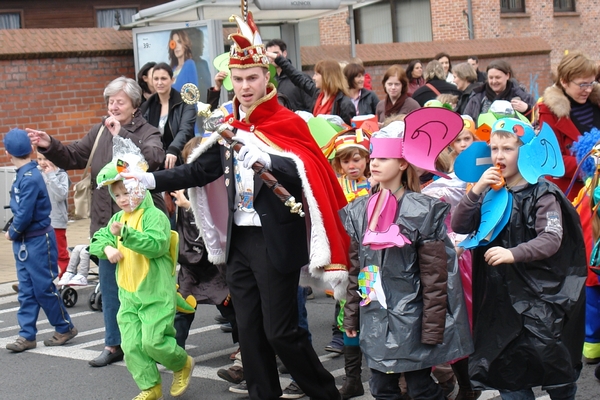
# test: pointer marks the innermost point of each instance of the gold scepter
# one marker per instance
(215, 122)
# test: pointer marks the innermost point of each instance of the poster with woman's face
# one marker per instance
(184, 50)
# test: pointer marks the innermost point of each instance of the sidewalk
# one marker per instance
(78, 232)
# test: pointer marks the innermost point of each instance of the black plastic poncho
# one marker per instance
(529, 317)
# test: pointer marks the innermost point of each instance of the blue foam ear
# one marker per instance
(504, 220)
(541, 156)
(494, 208)
(473, 162)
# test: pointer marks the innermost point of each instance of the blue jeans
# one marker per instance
(302, 313)
(420, 385)
(561, 393)
(110, 302)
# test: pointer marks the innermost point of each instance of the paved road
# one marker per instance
(63, 372)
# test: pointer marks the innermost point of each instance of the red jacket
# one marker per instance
(555, 110)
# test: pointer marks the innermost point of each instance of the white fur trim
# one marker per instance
(214, 238)
(319, 250)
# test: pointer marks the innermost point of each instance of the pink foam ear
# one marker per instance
(428, 132)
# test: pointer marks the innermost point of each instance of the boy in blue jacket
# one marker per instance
(34, 246)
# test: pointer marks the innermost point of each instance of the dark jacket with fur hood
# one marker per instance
(555, 110)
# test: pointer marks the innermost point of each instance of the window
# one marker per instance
(374, 23)
(512, 6)
(309, 32)
(413, 21)
(564, 5)
(394, 21)
(11, 20)
(109, 17)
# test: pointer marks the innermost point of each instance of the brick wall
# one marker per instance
(53, 79)
(564, 31)
(448, 22)
(334, 30)
(62, 96)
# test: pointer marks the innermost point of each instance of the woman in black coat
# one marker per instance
(435, 84)
(166, 110)
(364, 100)
(499, 86)
(465, 79)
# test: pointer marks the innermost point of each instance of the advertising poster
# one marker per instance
(188, 48)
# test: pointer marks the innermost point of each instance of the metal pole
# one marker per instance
(470, 24)
(352, 31)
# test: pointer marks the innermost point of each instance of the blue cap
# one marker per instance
(17, 143)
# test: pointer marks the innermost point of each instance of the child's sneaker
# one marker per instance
(58, 339)
(67, 276)
(154, 393)
(78, 280)
(181, 379)
(21, 344)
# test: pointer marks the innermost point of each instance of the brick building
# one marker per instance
(564, 24)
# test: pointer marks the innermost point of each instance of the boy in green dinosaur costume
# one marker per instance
(140, 240)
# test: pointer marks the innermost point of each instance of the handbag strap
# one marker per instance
(89, 162)
(433, 89)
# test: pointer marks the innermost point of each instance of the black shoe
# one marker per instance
(106, 357)
(226, 327)
(221, 319)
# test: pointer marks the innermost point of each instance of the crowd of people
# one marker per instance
(393, 223)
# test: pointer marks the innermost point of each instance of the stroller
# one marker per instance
(69, 294)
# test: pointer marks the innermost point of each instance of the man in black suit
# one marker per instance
(245, 226)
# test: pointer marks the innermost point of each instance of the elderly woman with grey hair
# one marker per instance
(435, 84)
(123, 97)
(465, 79)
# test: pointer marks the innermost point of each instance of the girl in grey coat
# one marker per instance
(412, 310)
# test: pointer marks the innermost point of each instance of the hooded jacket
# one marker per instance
(76, 154)
(555, 110)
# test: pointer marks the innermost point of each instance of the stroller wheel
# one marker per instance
(99, 301)
(69, 297)
(92, 301)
